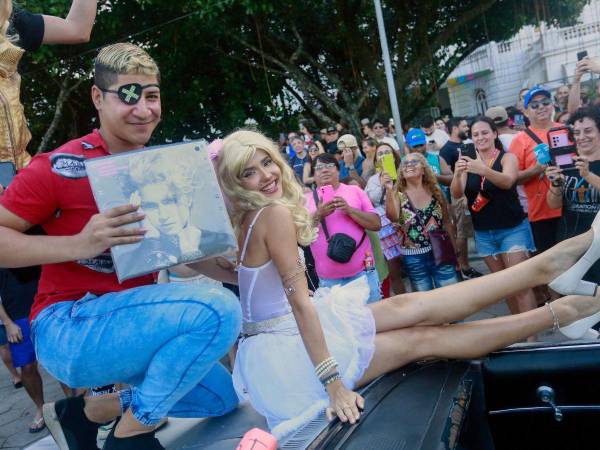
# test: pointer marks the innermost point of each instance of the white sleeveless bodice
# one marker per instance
(262, 295)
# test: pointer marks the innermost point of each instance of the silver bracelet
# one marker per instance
(326, 370)
(330, 379)
(555, 322)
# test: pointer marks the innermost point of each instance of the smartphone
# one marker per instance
(326, 193)
(468, 150)
(582, 54)
(389, 166)
(7, 173)
(562, 147)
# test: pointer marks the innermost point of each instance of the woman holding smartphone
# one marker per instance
(420, 209)
(577, 191)
(487, 178)
(388, 235)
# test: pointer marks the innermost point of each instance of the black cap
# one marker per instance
(331, 129)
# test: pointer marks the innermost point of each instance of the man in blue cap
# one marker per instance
(417, 141)
(544, 220)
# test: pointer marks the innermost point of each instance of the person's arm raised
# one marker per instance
(75, 28)
(283, 250)
(100, 233)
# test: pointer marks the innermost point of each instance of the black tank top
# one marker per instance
(502, 211)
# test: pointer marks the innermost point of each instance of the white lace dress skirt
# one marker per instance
(274, 372)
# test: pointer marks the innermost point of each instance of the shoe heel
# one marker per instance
(566, 287)
(581, 328)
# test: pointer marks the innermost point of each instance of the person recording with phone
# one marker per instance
(577, 190)
(539, 109)
(502, 232)
(585, 64)
(387, 162)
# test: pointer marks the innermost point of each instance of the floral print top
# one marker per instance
(414, 232)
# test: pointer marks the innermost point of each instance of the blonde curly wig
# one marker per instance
(238, 148)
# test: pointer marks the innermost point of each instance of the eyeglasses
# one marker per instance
(535, 104)
(319, 167)
(410, 163)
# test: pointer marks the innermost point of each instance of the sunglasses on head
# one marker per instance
(535, 104)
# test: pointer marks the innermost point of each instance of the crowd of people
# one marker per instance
(348, 216)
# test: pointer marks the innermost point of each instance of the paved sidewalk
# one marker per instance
(17, 409)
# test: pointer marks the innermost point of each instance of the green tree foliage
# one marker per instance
(273, 61)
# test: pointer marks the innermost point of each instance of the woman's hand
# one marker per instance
(583, 165)
(476, 166)
(343, 403)
(554, 174)
(341, 204)
(325, 209)
(461, 165)
(386, 181)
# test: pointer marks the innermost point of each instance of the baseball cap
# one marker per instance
(498, 114)
(365, 121)
(331, 129)
(347, 141)
(536, 90)
(415, 136)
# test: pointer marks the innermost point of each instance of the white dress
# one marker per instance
(272, 367)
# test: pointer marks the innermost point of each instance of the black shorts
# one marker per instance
(545, 233)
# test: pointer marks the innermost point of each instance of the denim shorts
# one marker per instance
(372, 278)
(505, 240)
(425, 275)
(23, 352)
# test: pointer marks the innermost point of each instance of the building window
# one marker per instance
(481, 101)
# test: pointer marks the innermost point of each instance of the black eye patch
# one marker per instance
(129, 93)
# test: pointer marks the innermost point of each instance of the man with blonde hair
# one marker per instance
(89, 329)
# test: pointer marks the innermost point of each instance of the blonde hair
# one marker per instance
(429, 180)
(122, 58)
(238, 149)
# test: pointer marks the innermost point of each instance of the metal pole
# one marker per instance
(389, 75)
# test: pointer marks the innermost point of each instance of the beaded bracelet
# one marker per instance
(326, 369)
(324, 366)
(555, 322)
(331, 378)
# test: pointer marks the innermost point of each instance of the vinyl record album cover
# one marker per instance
(177, 189)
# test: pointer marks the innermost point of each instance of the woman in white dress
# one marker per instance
(299, 355)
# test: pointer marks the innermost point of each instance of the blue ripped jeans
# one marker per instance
(164, 340)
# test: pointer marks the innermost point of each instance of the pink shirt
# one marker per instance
(339, 222)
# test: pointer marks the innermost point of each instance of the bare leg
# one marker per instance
(457, 301)
(395, 268)
(462, 254)
(394, 349)
(523, 300)
(7, 360)
(102, 408)
(32, 381)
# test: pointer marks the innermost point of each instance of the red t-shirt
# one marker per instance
(53, 191)
(536, 187)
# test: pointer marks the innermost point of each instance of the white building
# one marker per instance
(493, 74)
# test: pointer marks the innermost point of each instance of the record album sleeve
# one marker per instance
(185, 214)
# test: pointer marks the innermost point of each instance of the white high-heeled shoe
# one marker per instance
(570, 282)
(582, 328)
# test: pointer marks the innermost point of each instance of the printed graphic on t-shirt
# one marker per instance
(101, 263)
(580, 196)
(68, 166)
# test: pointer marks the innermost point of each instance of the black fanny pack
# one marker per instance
(340, 246)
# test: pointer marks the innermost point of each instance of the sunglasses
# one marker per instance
(535, 104)
(410, 163)
(377, 127)
(320, 167)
